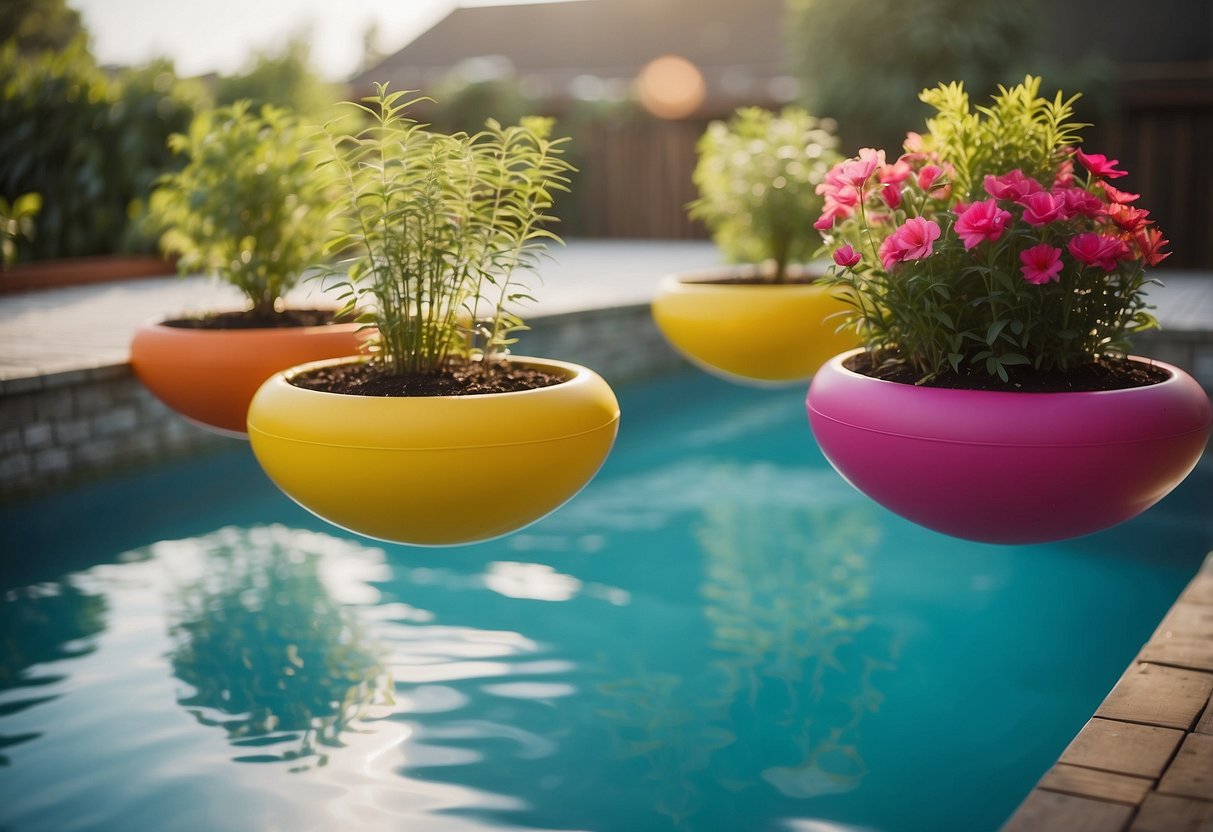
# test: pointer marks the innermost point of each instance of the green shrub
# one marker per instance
(437, 226)
(757, 177)
(91, 145)
(249, 205)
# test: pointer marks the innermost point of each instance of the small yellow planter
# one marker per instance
(438, 470)
(750, 332)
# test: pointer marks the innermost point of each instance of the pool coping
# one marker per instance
(1144, 761)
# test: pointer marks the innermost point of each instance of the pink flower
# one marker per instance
(1041, 263)
(857, 171)
(1100, 165)
(928, 175)
(1150, 242)
(895, 173)
(1081, 203)
(1097, 250)
(1012, 185)
(1128, 218)
(913, 142)
(1119, 197)
(846, 256)
(981, 221)
(912, 241)
(891, 195)
(1043, 208)
(1065, 174)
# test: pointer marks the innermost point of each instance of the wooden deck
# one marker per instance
(1144, 762)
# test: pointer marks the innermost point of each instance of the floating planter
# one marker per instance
(767, 323)
(998, 276)
(774, 333)
(209, 376)
(1002, 467)
(249, 207)
(435, 470)
(437, 437)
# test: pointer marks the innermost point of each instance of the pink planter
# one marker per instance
(1009, 467)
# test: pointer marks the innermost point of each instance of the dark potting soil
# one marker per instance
(247, 320)
(757, 280)
(1105, 373)
(458, 379)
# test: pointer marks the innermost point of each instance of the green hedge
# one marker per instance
(92, 145)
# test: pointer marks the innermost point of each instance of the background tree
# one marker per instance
(864, 63)
(36, 25)
(284, 79)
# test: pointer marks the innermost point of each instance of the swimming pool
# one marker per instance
(718, 633)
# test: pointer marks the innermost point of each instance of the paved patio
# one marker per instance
(84, 327)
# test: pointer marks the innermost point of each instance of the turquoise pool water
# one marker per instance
(717, 634)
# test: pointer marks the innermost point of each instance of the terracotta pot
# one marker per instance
(434, 470)
(1003, 467)
(209, 376)
(750, 332)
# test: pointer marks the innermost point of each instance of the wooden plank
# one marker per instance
(1191, 773)
(1154, 694)
(1200, 591)
(1184, 639)
(1100, 785)
(1045, 811)
(1205, 726)
(1123, 747)
(1167, 813)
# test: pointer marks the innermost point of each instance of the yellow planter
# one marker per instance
(438, 470)
(749, 332)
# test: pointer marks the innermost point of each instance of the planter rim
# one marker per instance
(705, 279)
(159, 324)
(1175, 407)
(448, 419)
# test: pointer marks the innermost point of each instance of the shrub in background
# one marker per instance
(757, 177)
(249, 205)
(863, 63)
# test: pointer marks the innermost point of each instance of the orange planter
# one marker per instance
(209, 376)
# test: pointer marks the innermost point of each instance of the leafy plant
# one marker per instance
(757, 177)
(984, 248)
(436, 228)
(249, 205)
(16, 223)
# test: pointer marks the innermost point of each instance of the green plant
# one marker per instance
(16, 223)
(757, 177)
(436, 228)
(249, 205)
(981, 250)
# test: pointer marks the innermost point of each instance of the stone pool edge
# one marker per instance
(1144, 761)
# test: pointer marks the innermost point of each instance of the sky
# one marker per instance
(203, 36)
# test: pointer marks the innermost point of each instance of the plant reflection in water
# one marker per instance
(785, 599)
(39, 624)
(270, 656)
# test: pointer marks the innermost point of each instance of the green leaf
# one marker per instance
(994, 329)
